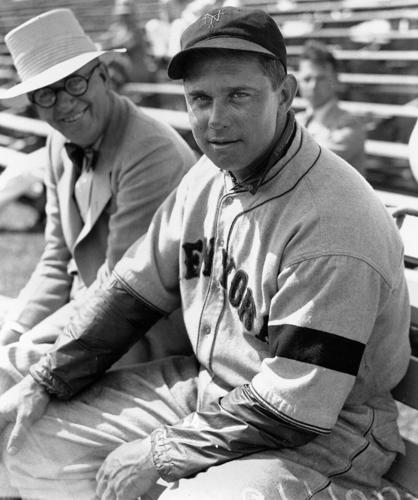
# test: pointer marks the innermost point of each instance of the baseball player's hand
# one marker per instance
(127, 473)
(22, 405)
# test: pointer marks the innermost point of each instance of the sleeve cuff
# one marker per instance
(53, 385)
(160, 455)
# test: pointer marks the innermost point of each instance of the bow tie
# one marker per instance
(77, 154)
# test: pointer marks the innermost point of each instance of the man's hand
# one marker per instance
(128, 472)
(22, 405)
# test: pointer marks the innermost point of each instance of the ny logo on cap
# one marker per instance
(209, 20)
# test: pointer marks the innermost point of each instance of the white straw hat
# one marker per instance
(46, 49)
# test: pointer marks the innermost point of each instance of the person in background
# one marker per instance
(295, 303)
(328, 123)
(119, 68)
(158, 30)
(125, 31)
(108, 168)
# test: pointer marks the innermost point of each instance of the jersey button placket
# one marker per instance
(206, 329)
(228, 201)
(230, 208)
(215, 299)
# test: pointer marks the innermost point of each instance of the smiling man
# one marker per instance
(295, 304)
(109, 166)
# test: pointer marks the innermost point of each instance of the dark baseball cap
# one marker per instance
(234, 28)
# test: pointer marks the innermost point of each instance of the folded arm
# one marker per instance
(111, 321)
(316, 345)
(236, 426)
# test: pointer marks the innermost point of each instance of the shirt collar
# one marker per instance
(262, 165)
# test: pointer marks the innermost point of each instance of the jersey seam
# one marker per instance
(353, 456)
(140, 297)
(336, 253)
(264, 202)
(286, 418)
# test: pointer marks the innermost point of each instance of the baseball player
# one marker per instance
(290, 275)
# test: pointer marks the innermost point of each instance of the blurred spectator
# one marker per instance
(120, 71)
(190, 13)
(125, 32)
(176, 15)
(374, 32)
(413, 151)
(158, 29)
(330, 125)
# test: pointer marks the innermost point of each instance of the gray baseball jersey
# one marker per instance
(295, 302)
(297, 290)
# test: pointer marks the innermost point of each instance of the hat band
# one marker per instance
(40, 58)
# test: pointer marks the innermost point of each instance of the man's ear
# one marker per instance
(104, 74)
(288, 90)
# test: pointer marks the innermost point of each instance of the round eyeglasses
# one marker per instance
(75, 85)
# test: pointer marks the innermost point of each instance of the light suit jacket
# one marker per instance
(337, 130)
(140, 161)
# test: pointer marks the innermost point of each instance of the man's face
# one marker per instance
(233, 110)
(81, 119)
(317, 82)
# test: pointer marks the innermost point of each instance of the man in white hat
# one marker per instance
(109, 167)
(295, 304)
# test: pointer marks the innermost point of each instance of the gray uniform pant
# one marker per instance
(65, 448)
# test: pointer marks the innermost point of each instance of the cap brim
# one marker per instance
(176, 66)
(53, 74)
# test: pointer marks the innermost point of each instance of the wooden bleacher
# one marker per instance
(348, 17)
(391, 90)
(406, 56)
(312, 7)
(179, 120)
(95, 15)
(379, 96)
(331, 34)
(359, 108)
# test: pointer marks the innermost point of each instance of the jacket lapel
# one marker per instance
(100, 194)
(70, 216)
(101, 185)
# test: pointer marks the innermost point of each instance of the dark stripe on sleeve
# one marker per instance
(316, 347)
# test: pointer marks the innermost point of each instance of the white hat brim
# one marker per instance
(54, 74)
